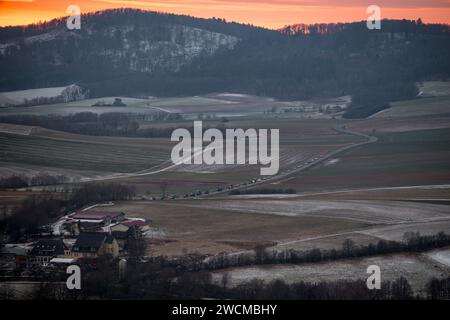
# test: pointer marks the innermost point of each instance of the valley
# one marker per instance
(87, 122)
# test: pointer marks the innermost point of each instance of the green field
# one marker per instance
(67, 152)
(397, 159)
(418, 107)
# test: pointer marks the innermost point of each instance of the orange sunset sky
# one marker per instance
(267, 13)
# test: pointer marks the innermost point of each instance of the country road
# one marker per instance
(278, 178)
(284, 176)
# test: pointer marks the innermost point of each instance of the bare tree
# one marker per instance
(163, 185)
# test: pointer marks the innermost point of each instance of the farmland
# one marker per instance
(78, 155)
(189, 227)
(132, 106)
(18, 97)
(242, 222)
(405, 154)
(222, 104)
(417, 107)
(365, 180)
(144, 162)
(417, 269)
(397, 159)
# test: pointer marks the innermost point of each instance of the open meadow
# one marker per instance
(77, 156)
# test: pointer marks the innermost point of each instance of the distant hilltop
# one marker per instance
(125, 52)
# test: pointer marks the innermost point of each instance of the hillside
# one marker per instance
(130, 52)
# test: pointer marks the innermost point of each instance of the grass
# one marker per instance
(417, 107)
(435, 88)
(139, 106)
(213, 230)
(70, 153)
(89, 155)
(397, 159)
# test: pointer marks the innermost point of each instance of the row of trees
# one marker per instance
(372, 98)
(414, 242)
(42, 179)
(37, 211)
(106, 124)
(100, 192)
(109, 124)
(264, 191)
(150, 280)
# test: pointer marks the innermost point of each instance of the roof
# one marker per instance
(62, 260)
(96, 215)
(90, 225)
(132, 223)
(48, 247)
(89, 242)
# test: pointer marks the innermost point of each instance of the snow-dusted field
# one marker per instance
(435, 89)
(17, 129)
(374, 212)
(133, 105)
(416, 268)
(18, 97)
(396, 232)
(441, 256)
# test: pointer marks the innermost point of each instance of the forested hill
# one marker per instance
(127, 51)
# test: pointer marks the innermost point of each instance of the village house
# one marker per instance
(95, 244)
(45, 250)
(128, 229)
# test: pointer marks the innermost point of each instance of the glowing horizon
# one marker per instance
(266, 13)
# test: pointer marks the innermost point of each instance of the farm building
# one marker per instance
(99, 217)
(93, 245)
(126, 225)
(128, 229)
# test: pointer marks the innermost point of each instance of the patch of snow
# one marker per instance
(18, 97)
(441, 256)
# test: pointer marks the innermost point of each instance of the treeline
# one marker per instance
(326, 61)
(414, 242)
(106, 124)
(36, 211)
(161, 278)
(264, 191)
(42, 179)
(150, 280)
(40, 101)
(402, 28)
(122, 16)
(372, 98)
(91, 193)
(439, 289)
